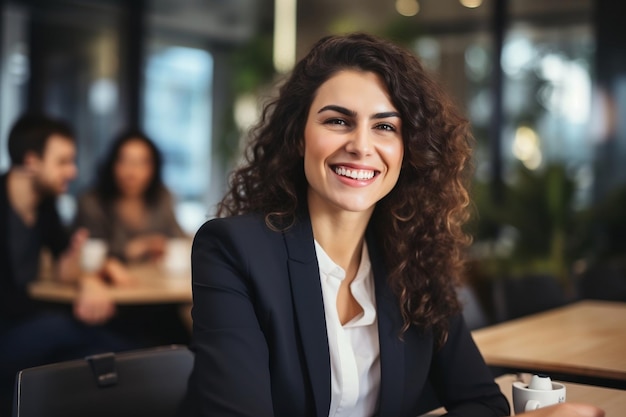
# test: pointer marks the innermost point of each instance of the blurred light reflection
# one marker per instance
(526, 147)
(429, 50)
(568, 92)
(285, 18)
(18, 65)
(471, 4)
(517, 55)
(407, 7)
(476, 62)
(103, 96)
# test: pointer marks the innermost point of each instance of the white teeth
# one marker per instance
(355, 174)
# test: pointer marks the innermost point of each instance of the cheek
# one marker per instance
(146, 174)
(313, 167)
(318, 147)
(308, 168)
(145, 177)
(70, 170)
(400, 158)
(53, 171)
(118, 171)
(393, 155)
(310, 153)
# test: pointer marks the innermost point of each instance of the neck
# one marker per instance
(22, 193)
(131, 200)
(341, 234)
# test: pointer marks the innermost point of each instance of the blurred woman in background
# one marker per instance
(129, 206)
(132, 211)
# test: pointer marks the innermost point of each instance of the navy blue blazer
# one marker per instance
(260, 341)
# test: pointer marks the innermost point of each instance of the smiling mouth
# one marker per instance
(355, 174)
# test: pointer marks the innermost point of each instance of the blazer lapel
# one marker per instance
(309, 309)
(392, 361)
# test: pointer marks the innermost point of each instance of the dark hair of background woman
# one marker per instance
(420, 221)
(106, 186)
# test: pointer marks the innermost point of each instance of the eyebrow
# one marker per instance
(351, 113)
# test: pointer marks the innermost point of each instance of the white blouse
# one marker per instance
(354, 348)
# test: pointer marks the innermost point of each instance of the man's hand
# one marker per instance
(68, 268)
(94, 304)
(117, 273)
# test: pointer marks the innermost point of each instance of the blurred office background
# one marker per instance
(543, 83)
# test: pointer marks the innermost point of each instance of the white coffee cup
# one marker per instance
(540, 392)
(93, 253)
(177, 258)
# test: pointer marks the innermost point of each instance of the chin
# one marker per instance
(356, 207)
(48, 191)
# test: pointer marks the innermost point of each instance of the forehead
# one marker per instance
(59, 144)
(353, 85)
(134, 148)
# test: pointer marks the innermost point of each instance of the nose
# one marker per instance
(360, 142)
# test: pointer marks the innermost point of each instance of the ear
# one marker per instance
(31, 160)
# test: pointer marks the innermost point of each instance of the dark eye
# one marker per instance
(338, 122)
(385, 126)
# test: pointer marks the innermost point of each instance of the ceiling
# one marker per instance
(316, 17)
(236, 21)
(239, 20)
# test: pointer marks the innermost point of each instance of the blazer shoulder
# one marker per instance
(242, 230)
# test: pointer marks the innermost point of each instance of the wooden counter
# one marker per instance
(153, 284)
(587, 338)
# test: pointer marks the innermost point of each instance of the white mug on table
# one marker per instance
(540, 392)
(177, 258)
(93, 253)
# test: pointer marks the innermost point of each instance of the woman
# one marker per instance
(129, 207)
(132, 211)
(329, 287)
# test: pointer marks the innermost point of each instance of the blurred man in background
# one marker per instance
(43, 152)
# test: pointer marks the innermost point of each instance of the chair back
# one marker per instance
(147, 382)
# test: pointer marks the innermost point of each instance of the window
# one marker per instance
(177, 116)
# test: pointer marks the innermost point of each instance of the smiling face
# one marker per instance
(353, 145)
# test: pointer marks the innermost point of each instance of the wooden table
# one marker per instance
(154, 284)
(612, 401)
(587, 338)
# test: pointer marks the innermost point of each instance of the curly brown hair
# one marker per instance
(420, 222)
